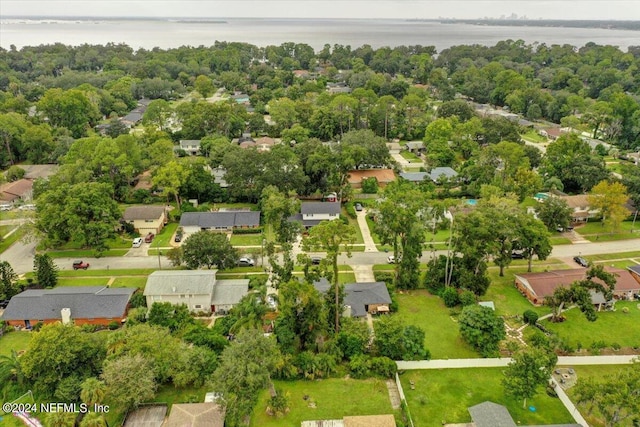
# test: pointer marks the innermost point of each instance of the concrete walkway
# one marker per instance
(577, 416)
(504, 361)
(369, 244)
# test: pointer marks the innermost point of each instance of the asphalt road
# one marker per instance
(20, 256)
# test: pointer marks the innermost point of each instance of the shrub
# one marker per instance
(138, 300)
(467, 298)
(616, 346)
(383, 366)
(383, 276)
(450, 297)
(530, 316)
(257, 230)
(596, 347)
(257, 282)
(359, 366)
(113, 325)
(351, 210)
(370, 185)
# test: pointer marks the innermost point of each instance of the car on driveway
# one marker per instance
(358, 207)
(77, 265)
(246, 262)
(316, 260)
(178, 238)
(149, 238)
(137, 242)
(583, 262)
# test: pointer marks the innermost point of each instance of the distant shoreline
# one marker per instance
(600, 24)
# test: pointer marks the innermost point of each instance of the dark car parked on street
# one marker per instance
(583, 262)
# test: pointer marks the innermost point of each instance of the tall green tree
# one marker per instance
(209, 249)
(334, 237)
(554, 212)
(70, 109)
(529, 370)
(8, 279)
(129, 380)
(610, 199)
(46, 271)
(245, 368)
(532, 238)
(482, 328)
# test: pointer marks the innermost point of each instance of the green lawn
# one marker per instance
(442, 336)
(594, 231)
(4, 244)
(165, 236)
(412, 158)
(559, 240)
(13, 340)
(334, 398)
(443, 396)
(354, 222)
(610, 327)
(106, 273)
(599, 372)
(533, 136)
(505, 296)
(246, 239)
(83, 281)
(85, 253)
(620, 255)
(346, 277)
(129, 282)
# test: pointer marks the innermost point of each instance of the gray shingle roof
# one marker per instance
(635, 268)
(309, 208)
(188, 143)
(220, 219)
(359, 295)
(445, 172)
(489, 414)
(91, 302)
(229, 291)
(143, 212)
(414, 145)
(169, 282)
(414, 176)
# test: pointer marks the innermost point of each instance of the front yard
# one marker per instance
(333, 398)
(442, 396)
(595, 232)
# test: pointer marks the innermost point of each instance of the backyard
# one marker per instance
(333, 398)
(443, 396)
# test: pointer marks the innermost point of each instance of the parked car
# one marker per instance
(392, 259)
(316, 260)
(137, 242)
(80, 265)
(517, 255)
(6, 207)
(246, 262)
(178, 238)
(149, 238)
(358, 207)
(583, 262)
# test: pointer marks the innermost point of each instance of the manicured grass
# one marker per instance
(533, 136)
(15, 236)
(165, 236)
(443, 396)
(14, 340)
(412, 158)
(594, 231)
(346, 278)
(118, 242)
(371, 224)
(4, 229)
(440, 236)
(559, 240)
(85, 253)
(620, 255)
(354, 223)
(106, 273)
(442, 336)
(619, 264)
(334, 398)
(83, 281)
(129, 282)
(507, 299)
(246, 239)
(610, 327)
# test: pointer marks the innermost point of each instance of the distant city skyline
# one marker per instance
(395, 9)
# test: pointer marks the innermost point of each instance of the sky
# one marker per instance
(404, 9)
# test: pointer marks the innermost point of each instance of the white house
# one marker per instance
(197, 289)
(315, 212)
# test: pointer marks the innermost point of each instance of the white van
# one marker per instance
(137, 242)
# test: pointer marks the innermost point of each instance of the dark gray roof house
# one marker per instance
(360, 298)
(143, 212)
(442, 172)
(489, 414)
(220, 220)
(414, 176)
(414, 145)
(92, 303)
(313, 213)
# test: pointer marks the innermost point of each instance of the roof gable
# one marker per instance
(311, 208)
(221, 219)
(170, 282)
(143, 212)
(489, 414)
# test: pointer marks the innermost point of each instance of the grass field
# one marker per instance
(85, 253)
(442, 336)
(533, 136)
(594, 231)
(412, 158)
(443, 396)
(129, 282)
(165, 236)
(505, 296)
(83, 281)
(246, 239)
(559, 240)
(620, 255)
(334, 398)
(4, 244)
(610, 327)
(14, 341)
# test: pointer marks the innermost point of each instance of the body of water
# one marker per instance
(315, 32)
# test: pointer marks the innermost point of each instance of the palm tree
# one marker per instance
(61, 419)
(93, 419)
(92, 391)
(10, 369)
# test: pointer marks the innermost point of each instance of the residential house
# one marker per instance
(415, 146)
(199, 290)
(192, 222)
(384, 177)
(580, 206)
(537, 286)
(551, 133)
(241, 98)
(361, 298)
(415, 177)
(265, 143)
(489, 414)
(219, 176)
(135, 115)
(146, 218)
(635, 272)
(190, 146)
(440, 173)
(394, 147)
(94, 305)
(205, 414)
(386, 420)
(337, 88)
(313, 213)
(16, 191)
